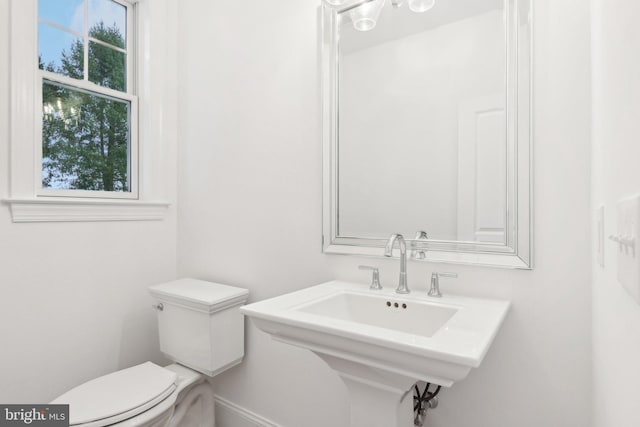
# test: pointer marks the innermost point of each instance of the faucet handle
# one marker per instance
(435, 283)
(454, 275)
(375, 278)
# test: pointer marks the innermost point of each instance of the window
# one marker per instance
(87, 108)
(79, 81)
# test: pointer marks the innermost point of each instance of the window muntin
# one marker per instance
(89, 116)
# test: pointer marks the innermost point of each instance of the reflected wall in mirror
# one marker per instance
(427, 128)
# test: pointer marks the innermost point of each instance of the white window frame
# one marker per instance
(87, 86)
(153, 79)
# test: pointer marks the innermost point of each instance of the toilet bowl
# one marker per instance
(202, 330)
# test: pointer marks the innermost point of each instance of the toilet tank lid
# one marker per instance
(200, 294)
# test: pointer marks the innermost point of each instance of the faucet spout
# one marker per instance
(388, 251)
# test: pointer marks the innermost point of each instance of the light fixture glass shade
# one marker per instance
(366, 16)
(421, 5)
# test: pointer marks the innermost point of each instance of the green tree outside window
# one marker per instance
(85, 136)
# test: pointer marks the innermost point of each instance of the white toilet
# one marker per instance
(202, 329)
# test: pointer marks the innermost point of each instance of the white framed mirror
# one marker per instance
(427, 129)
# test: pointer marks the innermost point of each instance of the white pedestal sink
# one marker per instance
(381, 343)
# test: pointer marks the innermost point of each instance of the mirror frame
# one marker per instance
(517, 252)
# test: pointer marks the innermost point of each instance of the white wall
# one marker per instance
(402, 116)
(250, 215)
(616, 150)
(73, 298)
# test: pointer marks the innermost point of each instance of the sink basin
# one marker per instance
(414, 317)
(381, 343)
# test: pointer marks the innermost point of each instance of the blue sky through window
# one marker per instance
(70, 14)
(109, 12)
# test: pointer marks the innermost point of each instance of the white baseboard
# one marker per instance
(228, 414)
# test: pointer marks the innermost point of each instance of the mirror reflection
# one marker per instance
(422, 133)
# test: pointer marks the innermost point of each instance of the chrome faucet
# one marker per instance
(388, 251)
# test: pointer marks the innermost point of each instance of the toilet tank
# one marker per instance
(200, 324)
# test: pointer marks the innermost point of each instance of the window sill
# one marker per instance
(76, 210)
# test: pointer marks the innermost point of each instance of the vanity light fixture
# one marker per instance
(421, 5)
(365, 15)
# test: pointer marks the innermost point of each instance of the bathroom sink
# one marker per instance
(437, 339)
(420, 318)
(381, 342)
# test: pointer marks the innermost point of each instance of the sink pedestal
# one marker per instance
(378, 398)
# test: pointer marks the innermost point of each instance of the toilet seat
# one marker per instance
(119, 395)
